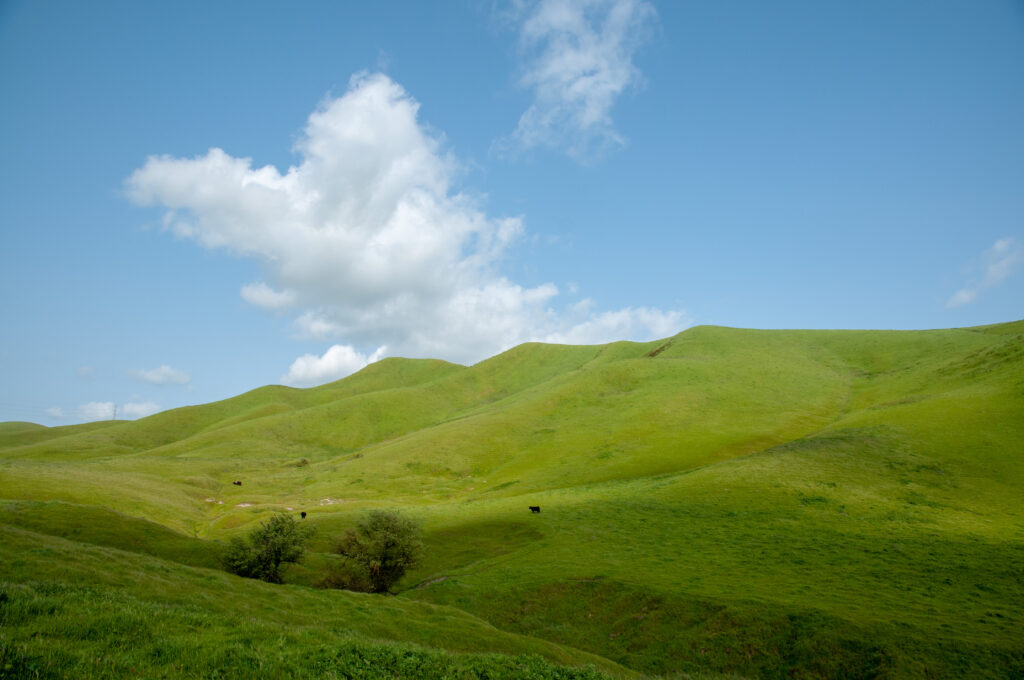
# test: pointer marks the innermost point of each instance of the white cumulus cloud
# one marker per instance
(579, 62)
(997, 263)
(164, 375)
(337, 362)
(367, 243)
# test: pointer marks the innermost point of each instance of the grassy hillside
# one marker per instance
(767, 503)
(73, 610)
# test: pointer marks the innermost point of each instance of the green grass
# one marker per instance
(764, 503)
(73, 610)
(102, 527)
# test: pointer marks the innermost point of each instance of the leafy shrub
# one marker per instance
(264, 552)
(383, 545)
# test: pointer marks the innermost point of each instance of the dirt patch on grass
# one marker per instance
(430, 582)
(655, 352)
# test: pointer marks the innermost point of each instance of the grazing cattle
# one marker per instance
(303, 513)
(237, 483)
(534, 508)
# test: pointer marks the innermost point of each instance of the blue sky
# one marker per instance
(197, 199)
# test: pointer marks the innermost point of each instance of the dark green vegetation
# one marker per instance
(760, 503)
(268, 549)
(384, 545)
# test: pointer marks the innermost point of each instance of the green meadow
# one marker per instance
(724, 503)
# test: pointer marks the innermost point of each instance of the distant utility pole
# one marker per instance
(115, 412)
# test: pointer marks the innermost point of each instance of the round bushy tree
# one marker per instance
(264, 552)
(383, 545)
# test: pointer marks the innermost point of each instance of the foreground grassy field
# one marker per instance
(77, 610)
(759, 503)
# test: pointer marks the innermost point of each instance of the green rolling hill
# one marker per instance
(723, 502)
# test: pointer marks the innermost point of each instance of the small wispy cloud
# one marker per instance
(164, 375)
(997, 263)
(135, 409)
(262, 295)
(97, 410)
(108, 410)
(336, 363)
(622, 323)
(579, 61)
(55, 412)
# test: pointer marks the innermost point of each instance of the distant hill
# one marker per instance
(764, 503)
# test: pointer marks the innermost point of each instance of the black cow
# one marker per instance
(534, 508)
(237, 483)
(303, 513)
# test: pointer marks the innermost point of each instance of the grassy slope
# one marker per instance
(13, 434)
(896, 528)
(752, 501)
(128, 614)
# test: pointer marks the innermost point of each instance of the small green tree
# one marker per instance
(383, 545)
(267, 548)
